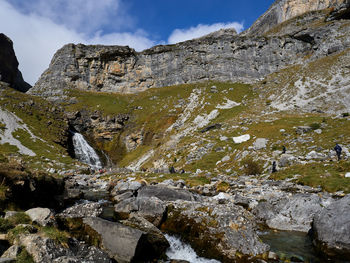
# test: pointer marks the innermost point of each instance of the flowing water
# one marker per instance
(84, 152)
(181, 251)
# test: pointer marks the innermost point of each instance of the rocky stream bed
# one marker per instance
(123, 219)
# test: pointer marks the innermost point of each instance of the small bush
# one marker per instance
(20, 218)
(24, 257)
(60, 237)
(345, 114)
(5, 225)
(252, 167)
(18, 230)
(315, 126)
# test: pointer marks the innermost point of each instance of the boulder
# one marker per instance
(151, 208)
(122, 187)
(46, 250)
(166, 194)
(12, 252)
(154, 236)
(226, 231)
(123, 243)
(41, 216)
(290, 212)
(286, 160)
(331, 229)
(303, 129)
(82, 210)
(260, 144)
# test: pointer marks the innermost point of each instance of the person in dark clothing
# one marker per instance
(338, 150)
(284, 149)
(274, 167)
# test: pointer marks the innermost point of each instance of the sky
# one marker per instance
(39, 28)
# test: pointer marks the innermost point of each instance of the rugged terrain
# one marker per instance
(188, 135)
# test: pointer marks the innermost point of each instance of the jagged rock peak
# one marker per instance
(283, 10)
(9, 72)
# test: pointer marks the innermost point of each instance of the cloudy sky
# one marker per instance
(39, 27)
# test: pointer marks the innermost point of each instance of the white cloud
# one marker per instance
(81, 15)
(37, 38)
(179, 35)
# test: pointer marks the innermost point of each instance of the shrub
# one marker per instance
(5, 225)
(24, 257)
(252, 167)
(315, 126)
(20, 218)
(346, 114)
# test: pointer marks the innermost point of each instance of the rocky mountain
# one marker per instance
(226, 141)
(284, 10)
(220, 57)
(9, 72)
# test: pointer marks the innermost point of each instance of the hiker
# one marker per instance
(338, 150)
(284, 149)
(274, 167)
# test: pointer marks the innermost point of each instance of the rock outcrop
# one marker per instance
(332, 229)
(283, 10)
(9, 72)
(221, 57)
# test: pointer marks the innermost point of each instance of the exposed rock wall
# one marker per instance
(283, 10)
(9, 72)
(223, 58)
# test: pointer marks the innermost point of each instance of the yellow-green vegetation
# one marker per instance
(252, 167)
(24, 257)
(55, 234)
(44, 120)
(11, 222)
(154, 110)
(329, 176)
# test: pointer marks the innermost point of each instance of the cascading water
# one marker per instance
(181, 251)
(84, 152)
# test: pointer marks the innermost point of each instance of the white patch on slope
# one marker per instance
(241, 139)
(14, 123)
(317, 92)
(186, 114)
(228, 105)
(135, 166)
(202, 120)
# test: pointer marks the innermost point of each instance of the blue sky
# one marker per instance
(40, 27)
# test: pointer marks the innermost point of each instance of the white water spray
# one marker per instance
(84, 152)
(181, 251)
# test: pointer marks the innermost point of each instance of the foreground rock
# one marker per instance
(45, 250)
(294, 212)
(122, 243)
(332, 229)
(222, 231)
(41, 216)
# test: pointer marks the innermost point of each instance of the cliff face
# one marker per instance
(223, 57)
(9, 72)
(283, 10)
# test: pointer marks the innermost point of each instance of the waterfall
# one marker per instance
(181, 251)
(84, 152)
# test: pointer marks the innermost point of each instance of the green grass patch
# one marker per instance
(55, 234)
(24, 257)
(330, 177)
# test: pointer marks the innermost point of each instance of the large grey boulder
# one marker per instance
(41, 216)
(46, 250)
(227, 232)
(260, 144)
(332, 229)
(165, 193)
(123, 243)
(294, 212)
(93, 209)
(151, 208)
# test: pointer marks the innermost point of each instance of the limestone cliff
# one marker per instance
(9, 72)
(283, 10)
(220, 57)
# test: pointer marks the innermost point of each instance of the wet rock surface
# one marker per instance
(332, 229)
